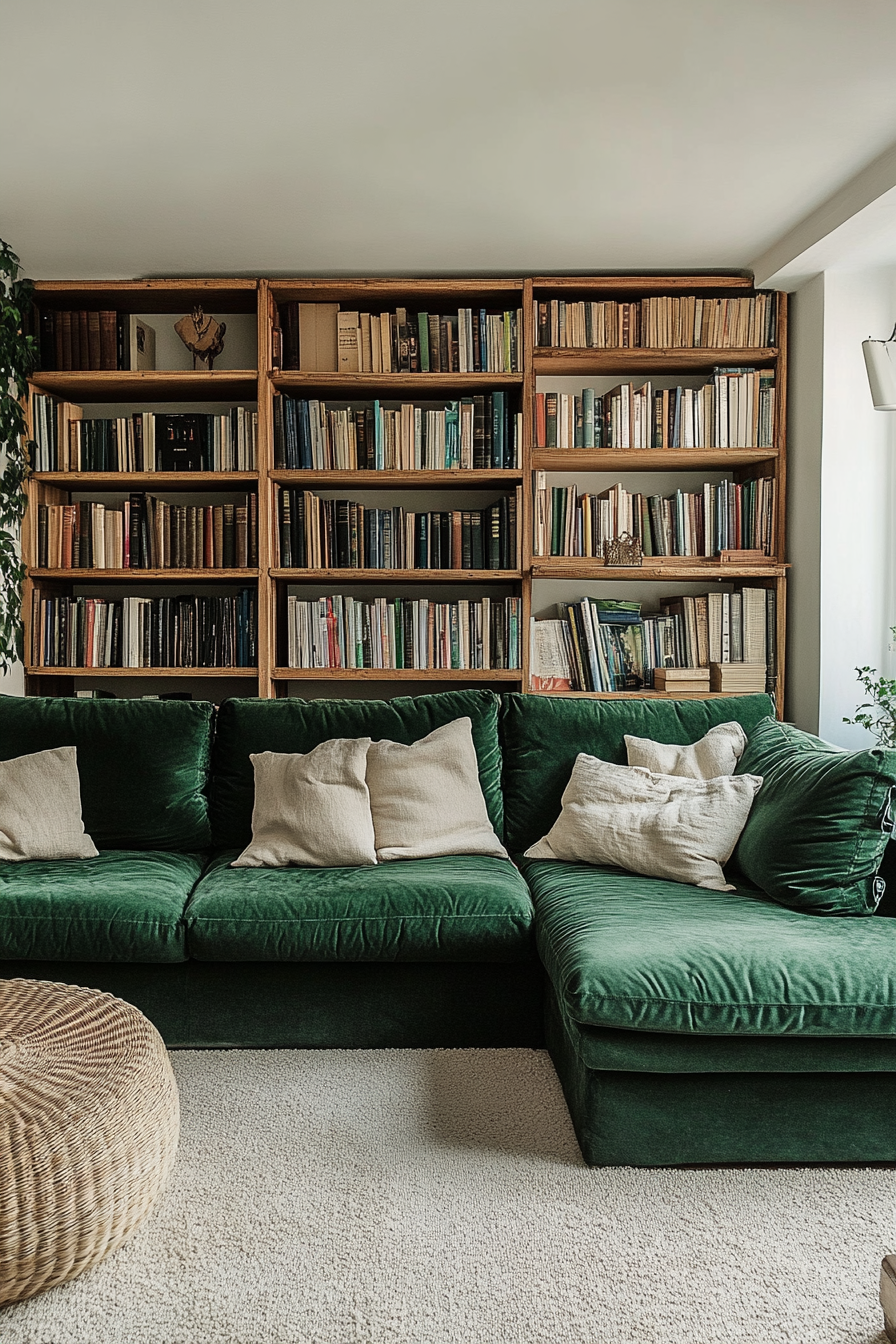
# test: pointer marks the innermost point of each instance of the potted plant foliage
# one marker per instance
(18, 355)
(878, 715)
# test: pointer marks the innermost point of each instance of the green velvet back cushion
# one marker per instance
(295, 725)
(813, 839)
(542, 735)
(143, 764)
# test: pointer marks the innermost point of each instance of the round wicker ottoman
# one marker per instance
(89, 1123)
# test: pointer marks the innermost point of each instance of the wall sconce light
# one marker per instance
(880, 362)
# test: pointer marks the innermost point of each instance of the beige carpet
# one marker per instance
(438, 1197)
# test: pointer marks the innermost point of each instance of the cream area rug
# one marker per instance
(439, 1197)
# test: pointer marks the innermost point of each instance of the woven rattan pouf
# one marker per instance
(89, 1123)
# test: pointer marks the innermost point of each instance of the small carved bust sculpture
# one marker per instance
(203, 336)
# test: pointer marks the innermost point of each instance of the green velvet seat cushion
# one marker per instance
(611, 1049)
(295, 725)
(542, 735)
(143, 764)
(643, 954)
(121, 906)
(461, 908)
(813, 839)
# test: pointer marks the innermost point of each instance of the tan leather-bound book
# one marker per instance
(318, 341)
(348, 342)
(457, 547)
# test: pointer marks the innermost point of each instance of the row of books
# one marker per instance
(477, 432)
(145, 631)
(321, 338)
(81, 339)
(144, 441)
(735, 410)
(677, 322)
(729, 516)
(320, 533)
(607, 645)
(148, 533)
(383, 632)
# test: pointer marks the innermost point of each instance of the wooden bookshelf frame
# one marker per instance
(262, 383)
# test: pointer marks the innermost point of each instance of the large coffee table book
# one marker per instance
(558, 484)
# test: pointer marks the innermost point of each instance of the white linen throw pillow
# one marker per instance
(426, 798)
(717, 753)
(311, 809)
(658, 825)
(40, 808)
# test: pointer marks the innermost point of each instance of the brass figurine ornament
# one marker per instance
(203, 336)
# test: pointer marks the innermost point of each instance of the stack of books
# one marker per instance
(737, 678)
(682, 679)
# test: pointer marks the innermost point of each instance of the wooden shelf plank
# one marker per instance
(492, 291)
(648, 459)
(646, 695)
(395, 674)
(579, 567)
(155, 385)
(398, 575)
(434, 386)
(141, 671)
(140, 575)
(638, 284)
(149, 296)
(138, 480)
(400, 480)
(582, 362)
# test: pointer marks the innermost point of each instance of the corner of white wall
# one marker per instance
(857, 593)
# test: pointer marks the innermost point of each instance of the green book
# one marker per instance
(423, 341)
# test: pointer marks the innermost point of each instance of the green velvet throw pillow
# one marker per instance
(813, 840)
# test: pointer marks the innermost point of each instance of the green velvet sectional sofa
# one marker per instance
(686, 1025)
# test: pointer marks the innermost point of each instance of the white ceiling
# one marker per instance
(179, 137)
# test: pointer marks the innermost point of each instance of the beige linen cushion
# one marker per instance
(426, 798)
(659, 825)
(717, 753)
(40, 808)
(311, 808)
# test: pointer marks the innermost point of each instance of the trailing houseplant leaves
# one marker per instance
(18, 355)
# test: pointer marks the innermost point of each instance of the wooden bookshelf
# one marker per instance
(386, 386)
(126, 481)
(165, 385)
(143, 575)
(349, 576)
(455, 479)
(102, 672)
(648, 459)
(260, 385)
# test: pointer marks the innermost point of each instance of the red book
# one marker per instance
(540, 421)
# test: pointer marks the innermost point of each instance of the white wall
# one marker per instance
(804, 440)
(841, 501)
